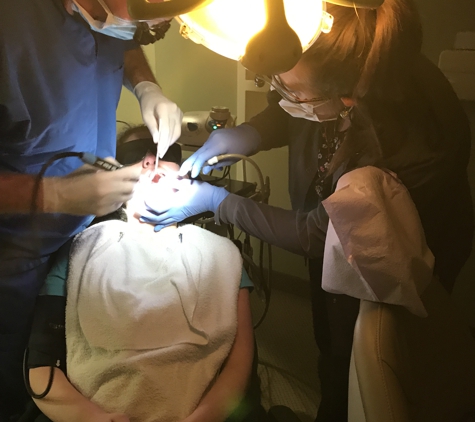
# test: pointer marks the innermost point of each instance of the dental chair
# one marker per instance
(410, 369)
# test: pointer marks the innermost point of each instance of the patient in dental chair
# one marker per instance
(158, 325)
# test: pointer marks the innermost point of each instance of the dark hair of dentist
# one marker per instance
(388, 107)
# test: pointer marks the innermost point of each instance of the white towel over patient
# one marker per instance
(150, 320)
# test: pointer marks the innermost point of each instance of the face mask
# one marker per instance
(113, 26)
(322, 112)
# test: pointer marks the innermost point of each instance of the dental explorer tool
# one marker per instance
(156, 161)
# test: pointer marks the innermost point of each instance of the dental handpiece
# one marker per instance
(100, 163)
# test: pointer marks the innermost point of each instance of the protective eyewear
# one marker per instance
(275, 82)
(134, 152)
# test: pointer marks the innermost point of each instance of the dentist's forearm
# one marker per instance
(16, 191)
(136, 68)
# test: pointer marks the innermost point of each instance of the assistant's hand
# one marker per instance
(89, 190)
(162, 116)
(192, 197)
(243, 139)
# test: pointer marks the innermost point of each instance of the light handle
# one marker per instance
(276, 48)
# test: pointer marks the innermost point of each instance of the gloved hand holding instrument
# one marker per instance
(243, 139)
(162, 116)
(89, 190)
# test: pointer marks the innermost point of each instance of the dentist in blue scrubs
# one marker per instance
(62, 66)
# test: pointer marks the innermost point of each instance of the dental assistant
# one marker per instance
(62, 66)
(362, 95)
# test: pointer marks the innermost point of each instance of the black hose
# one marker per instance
(36, 244)
(26, 379)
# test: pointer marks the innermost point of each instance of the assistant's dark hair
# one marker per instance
(367, 51)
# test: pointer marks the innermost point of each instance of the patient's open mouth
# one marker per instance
(151, 176)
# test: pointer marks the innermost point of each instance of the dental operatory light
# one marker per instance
(266, 36)
(233, 28)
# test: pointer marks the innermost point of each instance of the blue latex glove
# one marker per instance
(243, 139)
(192, 197)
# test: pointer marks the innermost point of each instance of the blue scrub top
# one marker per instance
(60, 84)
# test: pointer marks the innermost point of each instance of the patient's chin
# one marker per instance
(158, 193)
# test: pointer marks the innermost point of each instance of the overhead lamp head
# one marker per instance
(266, 36)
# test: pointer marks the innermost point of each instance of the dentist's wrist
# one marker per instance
(145, 87)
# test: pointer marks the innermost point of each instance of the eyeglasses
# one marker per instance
(133, 152)
(275, 82)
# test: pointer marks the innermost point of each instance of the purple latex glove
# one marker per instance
(243, 139)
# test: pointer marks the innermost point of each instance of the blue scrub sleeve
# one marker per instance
(246, 281)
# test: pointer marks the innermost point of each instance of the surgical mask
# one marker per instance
(322, 112)
(113, 26)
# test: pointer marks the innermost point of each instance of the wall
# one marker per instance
(441, 20)
(193, 76)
